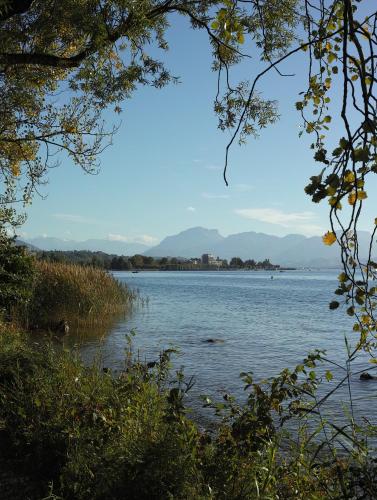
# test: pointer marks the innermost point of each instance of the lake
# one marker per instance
(266, 320)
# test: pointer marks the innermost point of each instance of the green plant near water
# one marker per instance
(68, 431)
(16, 277)
(75, 293)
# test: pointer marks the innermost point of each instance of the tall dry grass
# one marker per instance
(77, 294)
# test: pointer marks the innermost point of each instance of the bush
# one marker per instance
(88, 433)
(73, 432)
(16, 277)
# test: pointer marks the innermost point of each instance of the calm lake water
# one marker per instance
(266, 325)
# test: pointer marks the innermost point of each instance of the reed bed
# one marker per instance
(77, 294)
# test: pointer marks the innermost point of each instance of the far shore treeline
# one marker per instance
(124, 263)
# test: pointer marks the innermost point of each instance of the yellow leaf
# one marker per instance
(342, 277)
(329, 238)
(240, 38)
(15, 167)
(375, 221)
(349, 177)
(366, 319)
(365, 30)
(354, 77)
(362, 195)
(352, 197)
(333, 201)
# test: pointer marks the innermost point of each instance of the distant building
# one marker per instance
(209, 260)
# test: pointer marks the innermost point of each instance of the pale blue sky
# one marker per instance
(163, 174)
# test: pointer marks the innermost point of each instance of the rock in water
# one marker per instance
(367, 376)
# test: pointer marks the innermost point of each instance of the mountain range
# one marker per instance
(291, 250)
(94, 245)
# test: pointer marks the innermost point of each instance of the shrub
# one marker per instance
(88, 433)
(16, 277)
(73, 432)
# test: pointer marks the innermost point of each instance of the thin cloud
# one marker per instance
(75, 218)
(242, 188)
(118, 237)
(145, 239)
(212, 196)
(213, 167)
(303, 222)
(191, 209)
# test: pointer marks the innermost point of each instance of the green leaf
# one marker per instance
(361, 154)
(351, 311)
(328, 375)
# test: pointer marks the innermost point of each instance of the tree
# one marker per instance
(148, 261)
(163, 262)
(137, 261)
(63, 62)
(236, 262)
(250, 263)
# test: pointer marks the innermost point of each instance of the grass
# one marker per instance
(75, 293)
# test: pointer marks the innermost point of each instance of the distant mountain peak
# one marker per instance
(199, 230)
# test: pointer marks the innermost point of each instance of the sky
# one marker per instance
(163, 173)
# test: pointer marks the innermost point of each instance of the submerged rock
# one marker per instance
(213, 341)
(367, 376)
